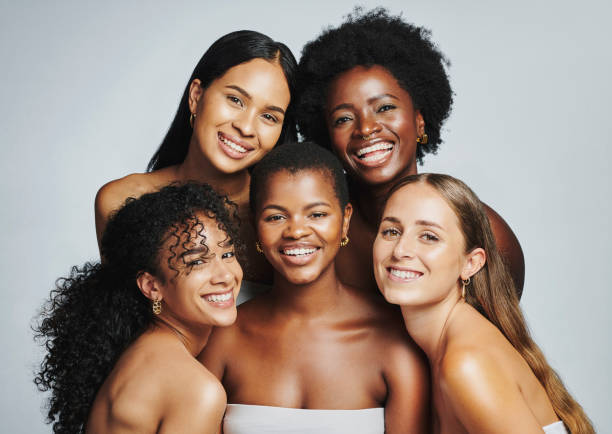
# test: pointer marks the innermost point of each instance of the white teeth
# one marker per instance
(233, 145)
(296, 252)
(219, 297)
(404, 274)
(373, 148)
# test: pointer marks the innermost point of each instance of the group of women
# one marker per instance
(150, 339)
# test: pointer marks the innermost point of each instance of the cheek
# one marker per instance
(268, 136)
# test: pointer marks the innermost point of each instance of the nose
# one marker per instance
(222, 274)
(245, 123)
(403, 249)
(295, 228)
(368, 125)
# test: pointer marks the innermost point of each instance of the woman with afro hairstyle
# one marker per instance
(375, 91)
(121, 336)
(234, 110)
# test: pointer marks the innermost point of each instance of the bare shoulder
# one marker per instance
(112, 195)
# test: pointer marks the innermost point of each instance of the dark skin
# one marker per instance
(374, 127)
(313, 342)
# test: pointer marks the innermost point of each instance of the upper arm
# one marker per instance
(509, 247)
(407, 377)
(109, 198)
(484, 397)
(213, 356)
(199, 411)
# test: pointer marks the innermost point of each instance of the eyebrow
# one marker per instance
(248, 96)
(418, 222)
(194, 251)
(370, 100)
(309, 206)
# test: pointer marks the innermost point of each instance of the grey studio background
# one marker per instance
(88, 90)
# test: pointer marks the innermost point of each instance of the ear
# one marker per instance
(420, 123)
(195, 93)
(346, 220)
(474, 261)
(149, 286)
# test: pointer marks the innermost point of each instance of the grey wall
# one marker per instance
(87, 92)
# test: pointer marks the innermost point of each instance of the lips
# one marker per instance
(220, 299)
(298, 254)
(375, 153)
(403, 275)
(233, 147)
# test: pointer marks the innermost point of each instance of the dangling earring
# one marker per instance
(423, 139)
(258, 247)
(344, 241)
(191, 118)
(465, 282)
(156, 307)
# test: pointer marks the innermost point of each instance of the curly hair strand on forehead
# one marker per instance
(374, 38)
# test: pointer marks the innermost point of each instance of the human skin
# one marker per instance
(157, 385)
(480, 383)
(312, 342)
(246, 107)
(369, 102)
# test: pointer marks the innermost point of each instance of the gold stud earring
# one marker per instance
(344, 241)
(465, 282)
(191, 118)
(423, 139)
(258, 247)
(157, 307)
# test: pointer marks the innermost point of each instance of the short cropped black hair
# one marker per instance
(294, 158)
(374, 38)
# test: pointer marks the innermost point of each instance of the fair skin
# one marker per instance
(238, 119)
(480, 383)
(157, 386)
(312, 342)
(373, 127)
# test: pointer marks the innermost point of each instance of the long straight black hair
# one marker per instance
(226, 52)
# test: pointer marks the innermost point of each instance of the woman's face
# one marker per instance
(239, 117)
(373, 125)
(300, 224)
(208, 281)
(419, 250)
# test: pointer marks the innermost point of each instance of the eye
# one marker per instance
(390, 233)
(274, 218)
(429, 237)
(318, 214)
(341, 120)
(270, 118)
(228, 255)
(385, 108)
(235, 100)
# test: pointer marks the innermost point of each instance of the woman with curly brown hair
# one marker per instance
(376, 92)
(122, 336)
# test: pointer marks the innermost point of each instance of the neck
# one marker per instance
(370, 198)
(194, 339)
(196, 167)
(428, 324)
(308, 300)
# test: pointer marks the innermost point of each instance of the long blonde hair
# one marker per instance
(493, 294)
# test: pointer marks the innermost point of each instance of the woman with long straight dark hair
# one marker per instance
(234, 110)
(435, 256)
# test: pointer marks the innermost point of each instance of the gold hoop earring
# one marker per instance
(258, 247)
(344, 241)
(157, 307)
(465, 282)
(191, 118)
(423, 139)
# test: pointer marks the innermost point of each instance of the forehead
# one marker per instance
(300, 188)
(260, 78)
(195, 232)
(420, 201)
(362, 82)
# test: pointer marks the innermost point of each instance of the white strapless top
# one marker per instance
(263, 419)
(555, 428)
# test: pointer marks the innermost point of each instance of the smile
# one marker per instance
(406, 275)
(299, 252)
(375, 153)
(222, 300)
(233, 149)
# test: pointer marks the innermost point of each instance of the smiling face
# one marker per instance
(300, 224)
(239, 116)
(419, 252)
(373, 125)
(208, 281)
